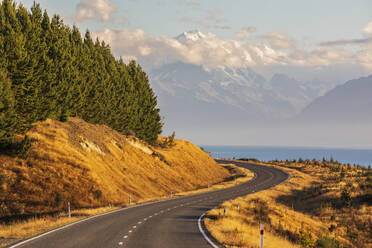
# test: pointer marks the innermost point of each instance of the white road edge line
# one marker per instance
(119, 210)
(201, 228)
(203, 233)
(84, 220)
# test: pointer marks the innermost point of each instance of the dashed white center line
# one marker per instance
(120, 243)
(150, 216)
(139, 222)
(125, 236)
(130, 231)
(134, 227)
(145, 219)
(156, 214)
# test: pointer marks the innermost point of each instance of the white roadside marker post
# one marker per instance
(69, 209)
(262, 235)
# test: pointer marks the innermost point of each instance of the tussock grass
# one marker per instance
(27, 228)
(238, 175)
(23, 229)
(93, 166)
(297, 213)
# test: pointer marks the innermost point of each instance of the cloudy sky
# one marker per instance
(297, 37)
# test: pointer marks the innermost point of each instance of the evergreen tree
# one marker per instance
(49, 71)
(8, 118)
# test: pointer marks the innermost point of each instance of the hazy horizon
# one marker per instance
(223, 89)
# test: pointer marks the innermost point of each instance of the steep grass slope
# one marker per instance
(93, 165)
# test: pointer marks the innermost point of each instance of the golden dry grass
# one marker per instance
(27, 228)
(305, 204)
(33, 226)
(93, 166)
(242, 175)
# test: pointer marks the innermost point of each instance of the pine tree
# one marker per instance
(8, 117)
(54, 73)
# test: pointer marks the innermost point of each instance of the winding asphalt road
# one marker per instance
(171, 223)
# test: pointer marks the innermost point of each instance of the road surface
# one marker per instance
(171, 223)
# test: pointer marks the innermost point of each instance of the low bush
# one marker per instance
(18, 149)
(327, 242)
(345, 198)
(306, 239)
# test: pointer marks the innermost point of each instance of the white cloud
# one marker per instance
(367, 40)
(245, 33)
(364, 57)
(211, 51)
(347, 42)
(91, 9)
(279, 40)
(368, 29)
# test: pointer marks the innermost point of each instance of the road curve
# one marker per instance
(172, 223)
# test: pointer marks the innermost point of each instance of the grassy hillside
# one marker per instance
(323, 204)
(93, 165)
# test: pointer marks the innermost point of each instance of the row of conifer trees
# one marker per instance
(47, 70)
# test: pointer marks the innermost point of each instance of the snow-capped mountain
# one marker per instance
(194, 95)
(190, 94)
(194, 35)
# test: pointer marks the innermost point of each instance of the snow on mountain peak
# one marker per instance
(193, 35)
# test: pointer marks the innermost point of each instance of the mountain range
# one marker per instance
(194, 99)
(242, 95)
(347, 103)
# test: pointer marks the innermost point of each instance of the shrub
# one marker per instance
(331, 160)
(332, 227)
(23, 147)
(130, 133)
(4, 210)
(327, 242)
(169, 141)
(59, 199)
(64, 116)
(345, 198)
(16, 148)
(306, 239)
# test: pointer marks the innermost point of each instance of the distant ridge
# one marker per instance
(347, 103)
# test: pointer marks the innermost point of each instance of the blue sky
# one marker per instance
(272, 33)
(319, 19)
